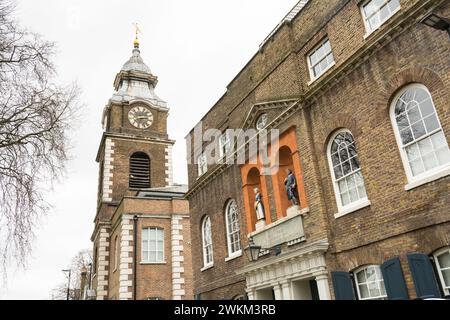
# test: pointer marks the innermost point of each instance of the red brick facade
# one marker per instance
(356, 94)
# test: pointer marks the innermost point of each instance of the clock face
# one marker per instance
(262, 121)
(140, 117)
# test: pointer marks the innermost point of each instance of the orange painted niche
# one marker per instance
(252, 178)
(289, 158)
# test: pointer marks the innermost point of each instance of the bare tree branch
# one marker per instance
(36, 115)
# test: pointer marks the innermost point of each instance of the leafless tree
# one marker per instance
(36, 116)
(79, 262)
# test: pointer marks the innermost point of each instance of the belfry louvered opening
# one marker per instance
(139, 171)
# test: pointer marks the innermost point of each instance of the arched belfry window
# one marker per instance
(139, 171)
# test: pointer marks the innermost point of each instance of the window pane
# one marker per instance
(407, 136)
(373, 289)
(160, 234)
(345, 198)
(364, 291)
(145, 245)
(394, 5)
(446, 276)
(439, 140)
(355, 164)
(353, 195)
(384, 13)
(342, 186)
(317, 70)
(443, 155)
(417, 167)
(431, 123)
(444, 260)
(344, 154)
(383, 288)
(152, 256)
(400, 107)
(425, 146)
(362, 191)
(426, 107)
(418, 130)
(402, 121)
(338, 172)
(346, 167)
(413, 113)
(413, 152)
(430, 161)
(361, 277)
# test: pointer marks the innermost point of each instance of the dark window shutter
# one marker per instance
(423, 276)
(394, 280)
(343, 286)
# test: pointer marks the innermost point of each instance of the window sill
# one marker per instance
(207, 267)
(428, 178)
(320, 76)
(355, 207)
(152, 263)
(234, 256)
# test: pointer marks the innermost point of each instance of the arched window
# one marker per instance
(139, 171)
(233, 229)
(419, 133)
(208, 258)
(442, 259)
(346, 171)
(370, 283)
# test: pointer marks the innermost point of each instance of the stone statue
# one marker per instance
(259, 207)
(291, 187)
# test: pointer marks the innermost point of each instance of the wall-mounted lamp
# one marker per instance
(436, 22)
(253, 251)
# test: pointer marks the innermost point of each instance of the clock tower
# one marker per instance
(135, 151)
(141, 237)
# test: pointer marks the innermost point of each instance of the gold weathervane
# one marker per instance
(138, 31)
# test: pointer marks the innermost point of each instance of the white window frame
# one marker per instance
(311, 67)
(366, 19)
(224, 144)
(354, 206)
(378, 281)
(238, 253)
(427, 176)
(202, 164)
(157, 230)
(206, 263)
(439, 269)
(116, 253)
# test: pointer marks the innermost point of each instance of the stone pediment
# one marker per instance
(271, 109)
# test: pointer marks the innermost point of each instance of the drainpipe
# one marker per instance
(135, 221)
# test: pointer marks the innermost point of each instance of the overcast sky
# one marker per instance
(195, 48)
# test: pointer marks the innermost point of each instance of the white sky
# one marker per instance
(195, 48)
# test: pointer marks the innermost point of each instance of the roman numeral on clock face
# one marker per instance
(140, 117)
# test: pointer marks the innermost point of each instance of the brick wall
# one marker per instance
(355, 94)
